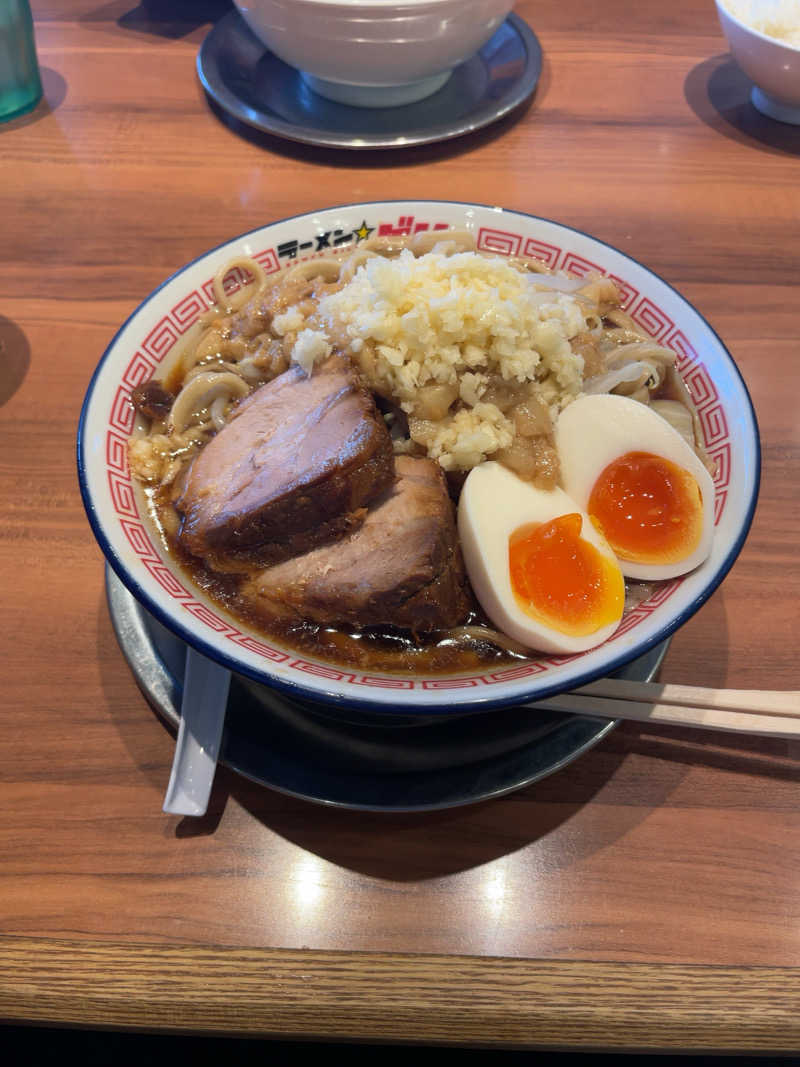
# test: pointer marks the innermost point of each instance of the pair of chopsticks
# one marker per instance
(758, 711)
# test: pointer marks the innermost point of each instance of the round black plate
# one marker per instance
(351, 759)
(256, 87)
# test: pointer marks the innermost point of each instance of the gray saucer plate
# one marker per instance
(352, 760)
(256, 87)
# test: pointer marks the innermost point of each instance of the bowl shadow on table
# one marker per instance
(54, 93)
(429, 845)
(377, 158)
(169, 19)
(718, 92)
(15, 358)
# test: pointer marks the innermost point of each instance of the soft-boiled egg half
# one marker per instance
(539, 568)
(641, 484)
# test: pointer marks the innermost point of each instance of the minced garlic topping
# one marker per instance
(462, 322)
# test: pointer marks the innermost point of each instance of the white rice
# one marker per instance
(456, 320)
(774, 18)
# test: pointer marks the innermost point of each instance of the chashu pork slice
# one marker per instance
(296, 465)
(401, 568)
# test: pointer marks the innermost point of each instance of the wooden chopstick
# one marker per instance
(753, 701)
(772, 713)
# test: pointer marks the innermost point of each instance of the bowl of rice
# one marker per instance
(764, 38)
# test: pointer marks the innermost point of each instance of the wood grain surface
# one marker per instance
(644, 897)
(391, 997)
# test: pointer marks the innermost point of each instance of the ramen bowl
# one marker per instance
(146, 343)
(374, 53)
(773, 65)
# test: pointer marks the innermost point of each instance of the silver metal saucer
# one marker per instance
(254, 86)
(352, 760)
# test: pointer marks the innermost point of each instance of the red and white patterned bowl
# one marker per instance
(118, 517)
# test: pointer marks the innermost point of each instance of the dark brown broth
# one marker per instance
(384, 649)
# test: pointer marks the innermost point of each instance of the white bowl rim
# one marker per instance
(765, 37)
(432, 701)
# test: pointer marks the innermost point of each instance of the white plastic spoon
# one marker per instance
(205, 699)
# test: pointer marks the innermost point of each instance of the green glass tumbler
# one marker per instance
(20, 84)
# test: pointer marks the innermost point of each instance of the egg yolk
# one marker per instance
(562, 580)
(649, 509)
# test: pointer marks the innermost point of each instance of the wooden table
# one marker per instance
(644, 898)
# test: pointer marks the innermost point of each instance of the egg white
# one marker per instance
(593, 431)
(494, 503)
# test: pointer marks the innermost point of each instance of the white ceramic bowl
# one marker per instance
(117, 511)
(374, 53)
(772, 65)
